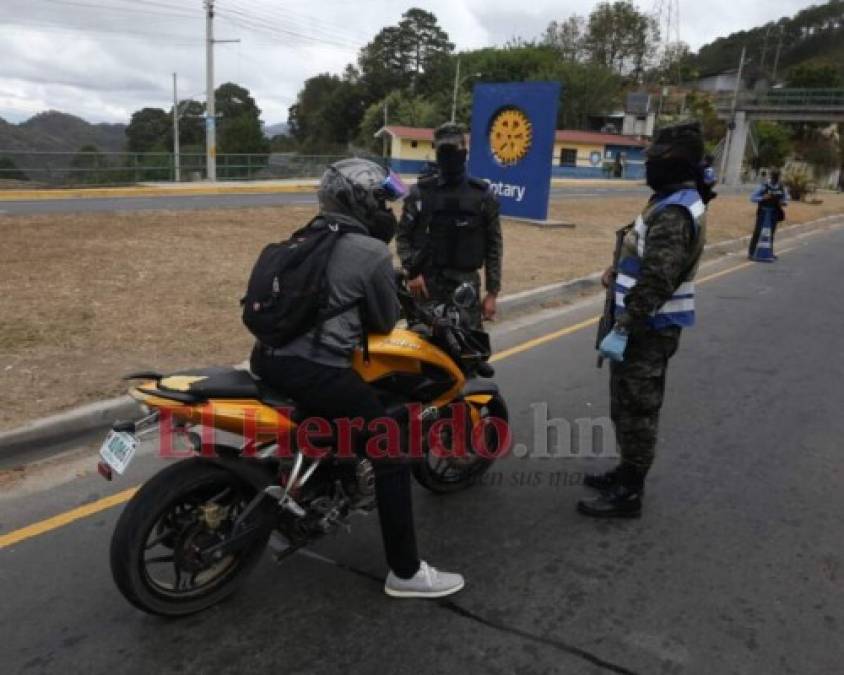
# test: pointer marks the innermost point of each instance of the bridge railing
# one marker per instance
(785, 98)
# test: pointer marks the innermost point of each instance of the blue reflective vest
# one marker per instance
(679, 310)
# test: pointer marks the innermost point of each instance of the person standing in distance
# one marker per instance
(654, 301)
(450, 229)
(770, 198)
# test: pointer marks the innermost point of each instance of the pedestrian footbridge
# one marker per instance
(781, 105)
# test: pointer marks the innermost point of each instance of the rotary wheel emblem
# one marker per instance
(510, 136)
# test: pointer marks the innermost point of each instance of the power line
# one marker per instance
(282, 33)
(176, 40)
(302, 21)
(113, 8)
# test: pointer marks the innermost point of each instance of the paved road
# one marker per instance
(187, 202)
(236, 201)
(736, 567)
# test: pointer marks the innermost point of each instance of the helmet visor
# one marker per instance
(394, 187)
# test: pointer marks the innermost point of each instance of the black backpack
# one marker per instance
(287, 293)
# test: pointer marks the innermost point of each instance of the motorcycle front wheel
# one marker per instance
(174, 551)
(442, 474)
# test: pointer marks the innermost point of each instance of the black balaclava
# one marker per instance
(674, 157)
(451, 161)
(450, 143)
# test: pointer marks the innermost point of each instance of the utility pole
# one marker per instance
(732, 124)
(176, 167)
(454, 95)
(210, 112)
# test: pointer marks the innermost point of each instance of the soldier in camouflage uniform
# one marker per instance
(654, 301)
(450, 228)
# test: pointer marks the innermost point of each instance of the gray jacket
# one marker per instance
(360, 269)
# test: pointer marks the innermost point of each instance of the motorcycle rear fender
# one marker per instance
(257, 473)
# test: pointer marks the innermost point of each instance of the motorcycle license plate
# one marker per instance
(118, 449)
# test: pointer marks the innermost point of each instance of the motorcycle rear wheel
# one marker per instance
(444, 476)
(171, 521)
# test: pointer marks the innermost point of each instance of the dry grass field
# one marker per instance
(86, 298)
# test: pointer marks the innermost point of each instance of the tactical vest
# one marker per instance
(454, 224)
(775, 189)
(680, 309)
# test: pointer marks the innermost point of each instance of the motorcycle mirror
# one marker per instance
(465, 295)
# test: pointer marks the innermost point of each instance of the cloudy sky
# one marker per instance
(103, 59)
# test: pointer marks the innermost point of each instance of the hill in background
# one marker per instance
(814, 33)
(54, 131)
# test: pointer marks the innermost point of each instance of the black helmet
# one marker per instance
(360, 188)
(679, 141)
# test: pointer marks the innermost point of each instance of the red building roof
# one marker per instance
(411, 133)
(562, 136)
(596, 138)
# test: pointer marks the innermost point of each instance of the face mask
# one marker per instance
(451, 160)
(383, 225)
(663, 173)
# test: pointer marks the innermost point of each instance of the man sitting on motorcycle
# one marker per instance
(315, 369)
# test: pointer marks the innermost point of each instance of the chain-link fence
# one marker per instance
(64, 169)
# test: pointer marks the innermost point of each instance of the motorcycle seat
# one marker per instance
(224, 383)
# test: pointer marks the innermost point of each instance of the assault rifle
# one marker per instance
(608, 317)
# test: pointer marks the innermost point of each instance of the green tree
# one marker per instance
(148, 130)
(403, 110)
(774, 144)
(10, 171)
(620, 37)
(326, 114)
(702, 107)
(89, 166)
(191, 126)
(239, 121)
(814, 74)
(405, 55)
(243, 135)
(566, 38)
(675, 64)
(233, 101)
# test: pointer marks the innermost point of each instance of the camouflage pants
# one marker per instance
(637, 387)
(441, 288)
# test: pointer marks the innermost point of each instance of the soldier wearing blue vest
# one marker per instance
(771, 196)
(654, 301)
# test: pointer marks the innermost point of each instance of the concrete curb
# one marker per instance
(66, 426)
(198, 191)
(75, 423)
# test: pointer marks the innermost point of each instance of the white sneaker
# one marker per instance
(428, 582)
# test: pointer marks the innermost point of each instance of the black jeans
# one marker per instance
(334, 393)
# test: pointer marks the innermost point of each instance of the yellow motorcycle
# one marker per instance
(193, 531)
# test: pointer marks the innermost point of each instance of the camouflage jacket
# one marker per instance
(671, 255)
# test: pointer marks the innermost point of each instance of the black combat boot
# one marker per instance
(601, 481)
(622, 500)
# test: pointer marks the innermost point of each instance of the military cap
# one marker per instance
(450, 133)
